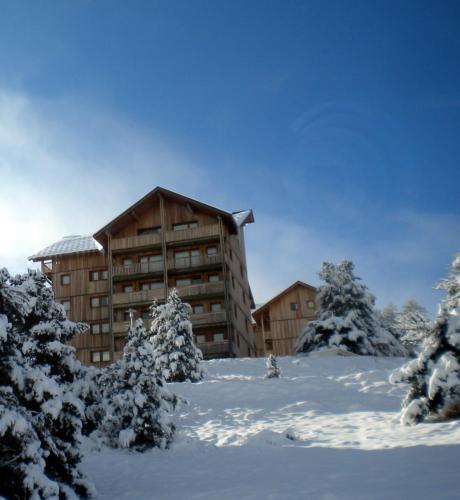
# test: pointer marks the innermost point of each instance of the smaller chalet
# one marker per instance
(278, 322)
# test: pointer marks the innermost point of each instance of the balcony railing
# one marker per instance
(196, 233)
(210, 349)
(208, 318)
(138, 268)
(138, 297)
(194, 261)
(200, 289)
(143, 240)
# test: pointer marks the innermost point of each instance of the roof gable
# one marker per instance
(282, 293)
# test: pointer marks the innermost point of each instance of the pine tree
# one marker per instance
(414, 325)
(389, 319)
(347, 322)
(434, 377)
(137, 405)
(38, 380)
(451, 285)
(176, 357)
(272, 367)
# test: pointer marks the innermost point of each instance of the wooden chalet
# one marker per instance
(164, 241)
(278, 322)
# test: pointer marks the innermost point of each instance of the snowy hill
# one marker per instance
(327, 429)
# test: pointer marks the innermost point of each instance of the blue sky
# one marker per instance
(337, 122)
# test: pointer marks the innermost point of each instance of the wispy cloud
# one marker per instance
(66, 168)
(405, 264)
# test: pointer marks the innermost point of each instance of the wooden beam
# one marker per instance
(110, 273)
(226, 292)
(163, 245)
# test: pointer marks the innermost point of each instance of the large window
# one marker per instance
(216, 307)
(195, 280)
(201, 339)
(185, 258)
(66, 304)
(151, 263)
(152, 285)
(180, 226)
(211, 251)
(99, 301)
(98, 356)
(65, 279)
(98, 328)
(128, 288)
(212, 278)
(198, 309)
(218, 337)
(98, 275)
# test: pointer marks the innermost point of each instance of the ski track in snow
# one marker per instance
(327, 429)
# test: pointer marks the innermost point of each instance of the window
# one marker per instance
(98, 275)
(149, 230)
(99, 301)
(127, 315)
(184, 225)
(200, 339)
(216, 307)
(198, 309)
(294, 306)
(218, 337)
(310, 304)
(185, 258)
(212, 278)
(65, 279)
(197, 280)
(66, 304)
(151, 263)
(211, 251)
(152, 285)
(97, 328)
(183, 281)
(98, 356)
(127, 262)
(128, 288)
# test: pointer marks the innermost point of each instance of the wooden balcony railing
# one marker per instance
(138, 297)
(143, 240)
(196, 233)
(138, 268)
(200, 289)
(194, 261)
(210, 349)
(208, 318)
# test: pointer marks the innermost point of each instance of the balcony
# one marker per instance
(194, 262)
(209, 318)
(143, 240)
(138, 297)
(215, 349)
(209, 231)
(202, 289)
(138, 269)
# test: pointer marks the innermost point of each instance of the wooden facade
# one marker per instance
(163, 241)
(278, 322)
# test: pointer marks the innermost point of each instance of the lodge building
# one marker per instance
(278, 322)
(164, 241)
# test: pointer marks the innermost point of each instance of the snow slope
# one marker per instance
(327, 429)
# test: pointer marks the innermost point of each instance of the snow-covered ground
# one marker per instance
(327, 429)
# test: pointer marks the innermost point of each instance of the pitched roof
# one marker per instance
(66, 245)
(233, 220)
(261, 307)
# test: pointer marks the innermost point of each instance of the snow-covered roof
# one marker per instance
(66, 245)
(243, 217)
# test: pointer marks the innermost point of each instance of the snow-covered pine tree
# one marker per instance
(434, 377)
(389, 317)
(451, 285)
(414, 325)
(347, 322)
(177, 359)
(273, 370)
(137, 404)
(42, 377)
